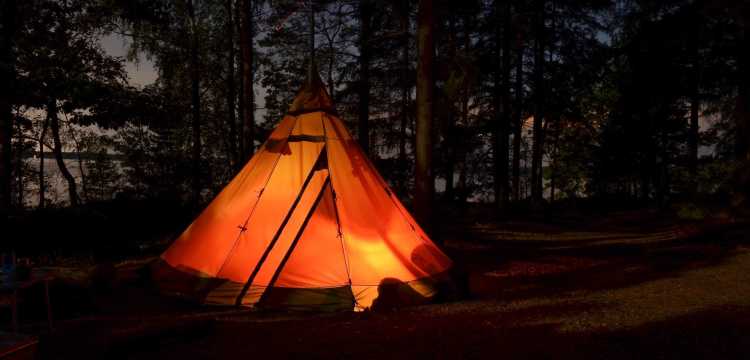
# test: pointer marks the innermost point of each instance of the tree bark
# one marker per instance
(554, 166)
(518, 113)
(461, 151)
(742, 107)
(196, 104)
(502, 104)
(537, 150)
(231, 93)
(448, 122)
(77, 144)
(8, 9)
(424, 181)
(694, 106)
(240, 88)
(693, 134)
(405, 87)
(363, 130)
(248, 73)
(42, 186)
(20, 185)
(54, 123)
(742, 118)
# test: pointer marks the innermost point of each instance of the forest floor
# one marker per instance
(622, 286)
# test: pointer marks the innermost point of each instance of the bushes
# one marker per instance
(107, 230)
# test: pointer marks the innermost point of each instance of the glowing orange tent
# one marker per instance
(308, 223)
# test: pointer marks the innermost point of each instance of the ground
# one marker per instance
(619, 286)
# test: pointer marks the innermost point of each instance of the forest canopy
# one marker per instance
(531, 102)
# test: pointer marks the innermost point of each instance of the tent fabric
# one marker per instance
(308, 222)
(312, 97)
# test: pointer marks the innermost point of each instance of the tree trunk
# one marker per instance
(54, 123)
(694, 107)
(448, 122)
(450, 155)
(77, 144)
(7, 78)
(552, 186)
(20, 184)
(693, 135)
(405, 96)
(502, 104)
(241, 87)
(742, 119)
(554, 166)
(42, 186)
(537, 149)
(460, 151)
(743, 99)
(363, 130)
(518, 113)
(196, 104)
(231, 95)
(424, 181)
(246, 45)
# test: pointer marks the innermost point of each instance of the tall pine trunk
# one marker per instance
(537, 150)
(424, 181)
(231, 93)
(363, 133)
(196, 104)
(554, 166)
(693, 135)
(518, 123)
(7, 78)
(42, 185)
(54, 123)
(694, 107)
(460, 152)
(502, 101)
(405, 92)
(742, 118)
(19, 164)
(448, 128)
(81, 167)
(246, 46)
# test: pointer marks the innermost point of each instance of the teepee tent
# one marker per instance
(308, 223)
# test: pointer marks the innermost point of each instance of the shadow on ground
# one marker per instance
(616, 291)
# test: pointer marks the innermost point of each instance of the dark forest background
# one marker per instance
(515, 107)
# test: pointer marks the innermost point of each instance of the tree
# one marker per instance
(363, 133)
(63, 71)
(195, 95)
(518, 118)
(742, 111)
(502, 102)
(424, 181)
(537, 151)
(248, 75)
(231, 87)
(8, 16)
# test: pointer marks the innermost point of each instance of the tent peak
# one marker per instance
(313, 95)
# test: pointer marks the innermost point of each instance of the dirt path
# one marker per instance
(552, 294)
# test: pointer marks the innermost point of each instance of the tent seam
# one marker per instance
(243, 228)
(340, 234)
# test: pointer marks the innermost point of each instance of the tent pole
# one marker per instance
(251, 278)
(301, 230)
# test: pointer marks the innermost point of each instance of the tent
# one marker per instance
(308, 223)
